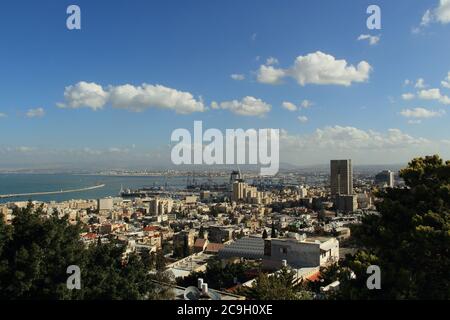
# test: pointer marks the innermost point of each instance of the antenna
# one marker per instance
(239, 170)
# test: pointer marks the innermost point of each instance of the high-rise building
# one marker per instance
(341, 177)
(238, 190)
(159, 206)
(246, 193)
(385, 179)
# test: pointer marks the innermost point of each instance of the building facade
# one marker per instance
(341, 176)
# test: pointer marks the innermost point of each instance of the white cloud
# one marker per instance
(237, 77)
(35, 113)
(289, 106)
(139, 98)
(3, 115)
(302, 119)
(248, 106)
(439, 14)
(434, 94)
(414, 121)
(318, 68)
(408, 96)
(321, 68)
(350, 138)
(446, 82)
(421, 113)
(254, 35)
(430, 94)
(442, 12)
(270, 75)
(420, 83)
(373, 40)
(84, 94)
(407, 82)
(134, 98)
(306, 104)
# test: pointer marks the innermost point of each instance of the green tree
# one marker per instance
(264, 234)
(409, 239)
(36, 250)
(201, 232)
(278, 286)
(273, 233)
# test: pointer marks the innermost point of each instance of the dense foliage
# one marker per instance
(219, 276)
(36, 250)
(277, 286)
(409, 239)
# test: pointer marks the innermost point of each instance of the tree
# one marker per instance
(278, 286)
(218, 276)
(409, 239)
(201, 232)
(264, 234)
(274, 231)
(36, 250)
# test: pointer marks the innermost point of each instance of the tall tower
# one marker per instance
(341, 177)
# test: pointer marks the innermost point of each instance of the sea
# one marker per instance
(32, 183)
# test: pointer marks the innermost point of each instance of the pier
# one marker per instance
(17, 195)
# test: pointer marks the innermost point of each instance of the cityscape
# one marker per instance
(246, 152)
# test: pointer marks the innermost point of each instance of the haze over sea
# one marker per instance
(31, 183)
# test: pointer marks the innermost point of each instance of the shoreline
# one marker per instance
(31, 194)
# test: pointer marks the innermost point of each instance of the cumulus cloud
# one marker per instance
(237, 77)
(317, 68)
(139, 98)
(248, 106)
(321, 68)
(134, 98)
(289, 106)
(446, 82)
(270, 75)
(84, 94)
(439, 14)
(35, 113)
(430, 94)
(434, 94)
(408, 96)
(421, 113)
(373, 40)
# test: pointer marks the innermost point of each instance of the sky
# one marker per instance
(111, 93)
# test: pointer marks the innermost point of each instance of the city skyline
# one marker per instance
(109, 95)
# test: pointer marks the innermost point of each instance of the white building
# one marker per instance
(311, 252)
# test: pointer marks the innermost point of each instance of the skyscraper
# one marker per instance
(341, 177)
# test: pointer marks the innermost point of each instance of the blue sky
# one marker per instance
(193, 47)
